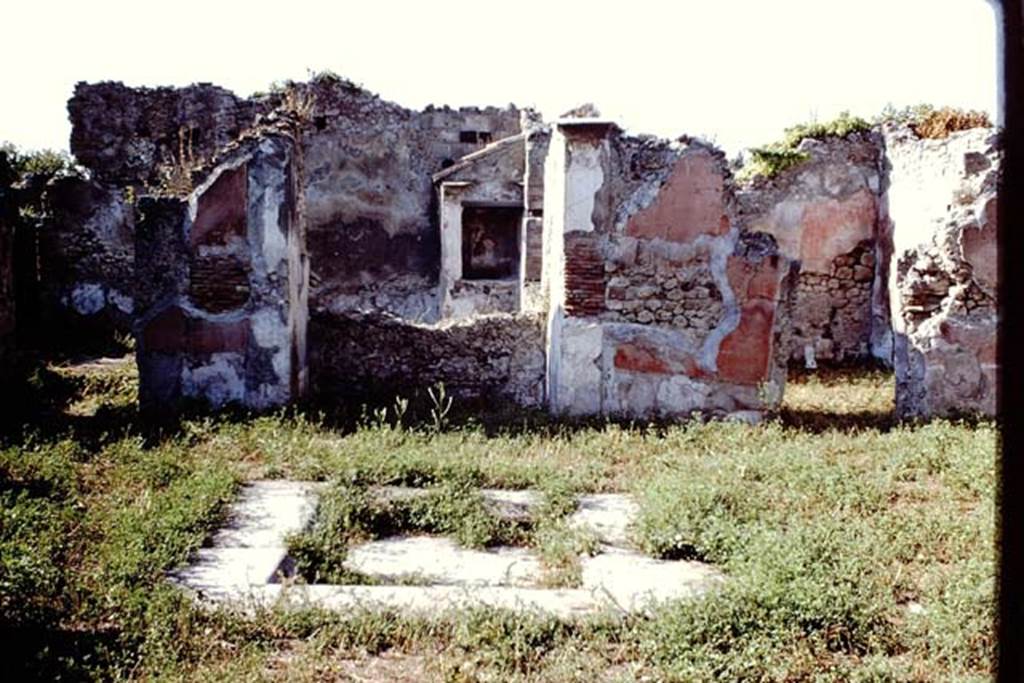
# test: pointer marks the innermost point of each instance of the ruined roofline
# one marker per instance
(132, 136)
(152, 88)
(501, 145)
(258, 97)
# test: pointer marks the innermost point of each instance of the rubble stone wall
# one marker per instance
(824, 212)
(126, 136)
(86, 260)
(659, 306)
(498, 356)
(943, 283)
(221, 280)
(371, 210)
(373, 231)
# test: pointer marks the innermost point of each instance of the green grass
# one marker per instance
(857, 548)
(350, 512)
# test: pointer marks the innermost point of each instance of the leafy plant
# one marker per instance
(441, 406)
(176, 175)
(929, 121)
(771, 160)
(839, 127)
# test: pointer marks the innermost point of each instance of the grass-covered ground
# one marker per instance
(858, 549)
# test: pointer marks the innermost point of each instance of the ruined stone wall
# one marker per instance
(221, 296)
(368, 192)
(666, 288)
(492, 176)
(942, 211)
(127, 136)
(372, 210)
(659, 306)
(824, 212)
(538, 139)
(497, 356)
(86, 260)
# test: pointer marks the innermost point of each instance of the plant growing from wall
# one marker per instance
(176, 175)
(839, 127)
(298, 102)
(928, 121)
(772, 159)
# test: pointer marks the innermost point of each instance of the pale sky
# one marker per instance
(737, 72)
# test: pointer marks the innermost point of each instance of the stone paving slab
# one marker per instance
(634, 581)
(609, 516)
(230, 567)
(565, 603)
(440, 560)
(244, 567)
(266, 512)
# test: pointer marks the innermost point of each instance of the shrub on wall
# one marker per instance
(928, 121)
(772, 159)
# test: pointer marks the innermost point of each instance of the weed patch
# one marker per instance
(856, 547)
(771, 160)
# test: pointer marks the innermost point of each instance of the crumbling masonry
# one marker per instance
(321, 238)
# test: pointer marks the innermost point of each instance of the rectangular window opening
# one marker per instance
(474, 136)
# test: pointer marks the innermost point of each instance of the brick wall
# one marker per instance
(584, 276)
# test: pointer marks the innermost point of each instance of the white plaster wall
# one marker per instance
(552, 275)
(266, 197)
(575, 377)
(277, 311)
(451, 246)
(451, 231)
(925, 179)
(572, 175)
(271, 330)
(584, 177)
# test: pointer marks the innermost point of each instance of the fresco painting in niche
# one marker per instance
(490, 245)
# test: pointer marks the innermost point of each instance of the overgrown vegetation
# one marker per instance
(24, 175)
(857, 549)
(929, 121)
(353, 512)
(925, 120)
(772, 159)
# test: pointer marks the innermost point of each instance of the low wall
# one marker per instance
(497, 356)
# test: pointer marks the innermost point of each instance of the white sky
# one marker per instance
(736, 71)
